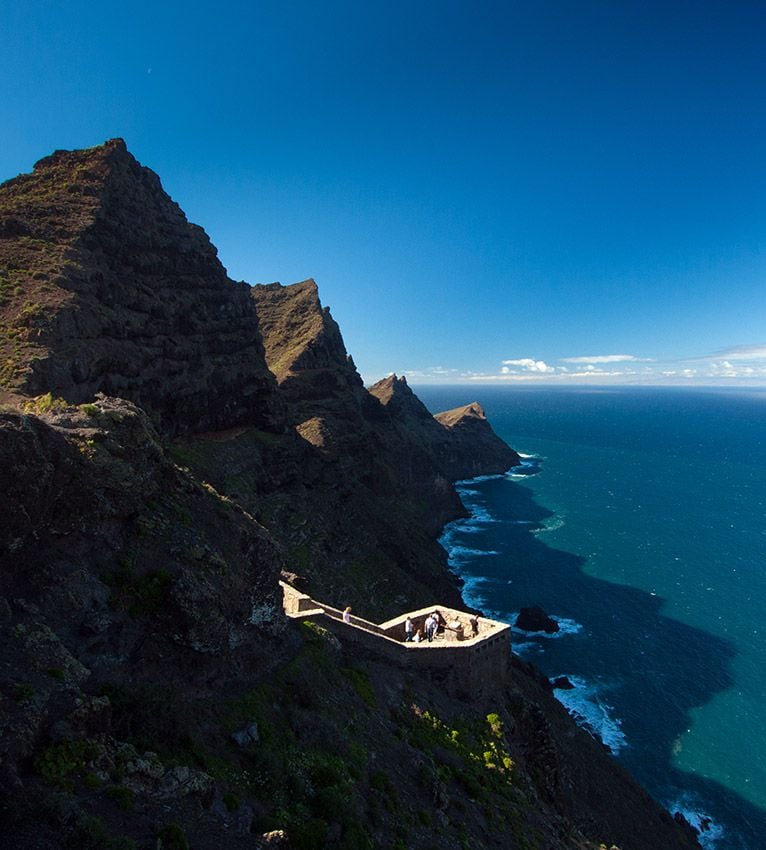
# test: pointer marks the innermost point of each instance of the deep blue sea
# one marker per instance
(638, 520)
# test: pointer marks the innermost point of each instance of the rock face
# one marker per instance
(115, 562)
(534, 619)
(106, 287)
(151, 692)
(474, 448)
(461, 441)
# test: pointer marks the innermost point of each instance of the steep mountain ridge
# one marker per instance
(152, 695)
(106, 287)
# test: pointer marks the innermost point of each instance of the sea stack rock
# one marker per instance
(534, 619)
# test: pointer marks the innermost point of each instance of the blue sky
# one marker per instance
(504, 192)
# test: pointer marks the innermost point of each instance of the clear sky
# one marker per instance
(501, 191)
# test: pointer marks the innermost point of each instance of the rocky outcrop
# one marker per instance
(120, 575)
(317, 379)
(357, 500)
(461, 441)
(303, 343)
(106, 287)
(534, 619)
(473, 448)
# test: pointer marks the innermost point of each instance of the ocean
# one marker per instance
(638, 521)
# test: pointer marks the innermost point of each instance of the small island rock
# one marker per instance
(534, 619)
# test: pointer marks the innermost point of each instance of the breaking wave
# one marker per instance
(709, 831)
(530, 465)
(586, 705)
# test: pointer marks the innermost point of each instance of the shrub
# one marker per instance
(56, 673)
(45, 404)
(24, 692)
(360, 681)
(309, 835)
(122, 796)
(56, 763)
(89, 833)
(231, 801)
(172, 837)
(141, 595)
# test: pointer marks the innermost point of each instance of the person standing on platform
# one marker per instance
(430, 627)
(409, 629)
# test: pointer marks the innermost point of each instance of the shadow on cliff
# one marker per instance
(616, 647)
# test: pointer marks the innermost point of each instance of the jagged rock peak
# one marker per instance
(111, 289)
(398, 398)
(299, 334)
(451, 418)
(389, 387)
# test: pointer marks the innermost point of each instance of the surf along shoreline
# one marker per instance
(709, 807)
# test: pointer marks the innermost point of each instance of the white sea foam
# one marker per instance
(479, 514)
(529, 466)
(552, 524)
(526, 648)
(479, 478)
(567, 627)
(458, 555)
(472, 591)
(709, 831)
(586, 705)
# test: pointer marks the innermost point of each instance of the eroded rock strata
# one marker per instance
(170, 443)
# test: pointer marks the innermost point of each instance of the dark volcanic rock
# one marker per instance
(461, 441)
(474, 448)
(317, 379)
(124, 571)
(562, 683)
(534, 619)
(110, 289)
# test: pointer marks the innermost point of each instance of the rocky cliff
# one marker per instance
(450, 446)
(170, 442)
(106, 287)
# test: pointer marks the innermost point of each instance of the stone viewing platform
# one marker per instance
(466, 664)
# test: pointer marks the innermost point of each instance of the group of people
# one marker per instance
(434, 623)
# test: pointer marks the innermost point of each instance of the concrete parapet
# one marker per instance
(464, 663)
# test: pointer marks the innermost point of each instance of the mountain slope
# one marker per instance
(152, 694)
(106, 287)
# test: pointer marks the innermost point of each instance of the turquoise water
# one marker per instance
(638, 520)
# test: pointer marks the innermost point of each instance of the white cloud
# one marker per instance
(744, 365)
(740, 352)
(602, 358)
(530, 365)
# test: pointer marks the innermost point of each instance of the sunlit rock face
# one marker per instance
(108, 288)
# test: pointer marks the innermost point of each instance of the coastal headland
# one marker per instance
(172, 445)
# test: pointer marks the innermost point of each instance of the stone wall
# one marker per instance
(465, 668)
